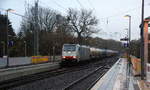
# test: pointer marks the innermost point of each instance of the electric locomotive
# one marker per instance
(76, 53)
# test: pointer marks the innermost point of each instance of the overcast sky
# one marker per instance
(109, 12)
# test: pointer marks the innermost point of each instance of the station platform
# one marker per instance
(120, 77)
(14, 72)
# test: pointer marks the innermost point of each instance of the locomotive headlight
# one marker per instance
(63, 57)
(74, 57)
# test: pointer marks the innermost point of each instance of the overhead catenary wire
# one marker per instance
(107, 19)
(45, 4)
(59, 5)
(115, 15)
(118, 14)
(14, 13)
(122, 13)
(91, 5)
(80, 4)
(42, 4)
(18, 13)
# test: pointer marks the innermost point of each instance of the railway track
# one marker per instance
(73, 85)
(34, 77)
(53, 73)
(31, 78)
(87, 81)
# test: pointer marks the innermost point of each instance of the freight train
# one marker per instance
(77, 53)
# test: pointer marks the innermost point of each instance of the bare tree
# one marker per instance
(83, 23)
(46, 18)
(52, 28)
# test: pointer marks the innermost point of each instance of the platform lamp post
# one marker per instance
(129, 34)
(127, 41)
(128, 16)
(7, 35)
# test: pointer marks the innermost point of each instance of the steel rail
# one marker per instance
(104, 67)
(89, 88)
(34, 77)
(39, 76)
(82, 78)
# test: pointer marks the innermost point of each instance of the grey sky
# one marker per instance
(111, 11)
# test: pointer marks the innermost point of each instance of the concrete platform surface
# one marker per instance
(10, 73)
(117, 78)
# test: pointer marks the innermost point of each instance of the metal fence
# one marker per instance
(15, 61)
(3, 62)
(19, 61)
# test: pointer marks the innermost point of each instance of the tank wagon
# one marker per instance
(76, 53)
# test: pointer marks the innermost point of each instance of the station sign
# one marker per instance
(11, 43)
(124, 39)
(125, 44)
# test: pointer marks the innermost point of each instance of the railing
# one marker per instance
(20, 61)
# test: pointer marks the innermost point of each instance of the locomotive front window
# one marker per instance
(69, 47)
